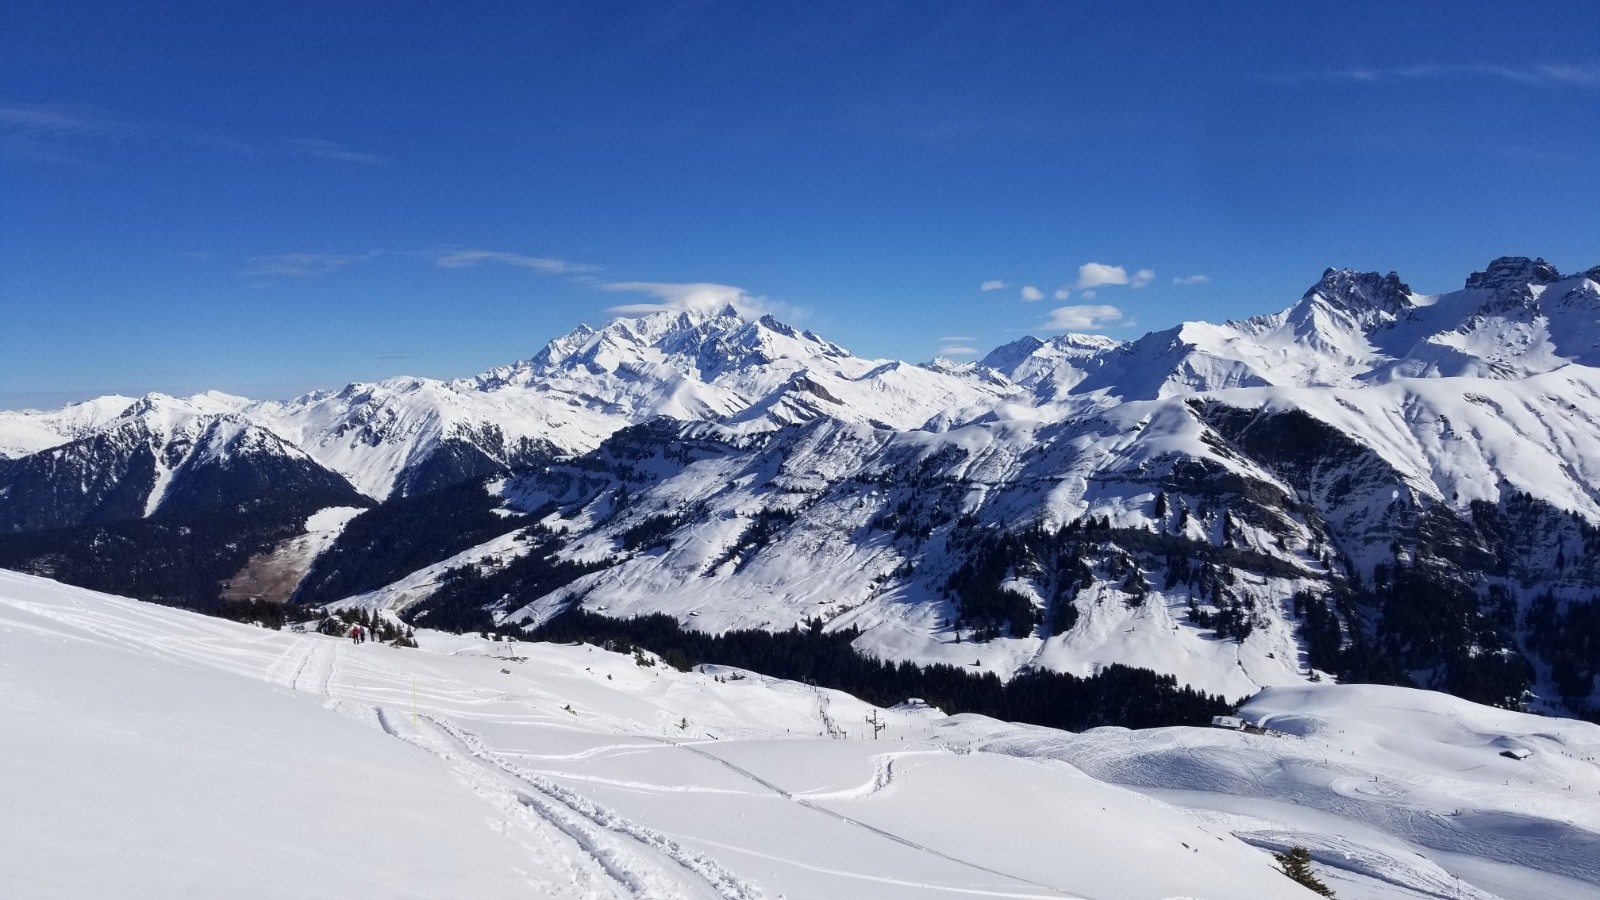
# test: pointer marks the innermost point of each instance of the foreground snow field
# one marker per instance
(150, 752)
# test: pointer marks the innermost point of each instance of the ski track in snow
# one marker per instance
(720, 881)
(311, 665)
(886, 777)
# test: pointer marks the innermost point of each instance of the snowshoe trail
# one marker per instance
(602, 827)
(589, 866)
(613, 857)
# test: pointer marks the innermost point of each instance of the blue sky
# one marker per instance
(265, 198)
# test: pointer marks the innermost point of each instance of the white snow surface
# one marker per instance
(1396, 792)
(29, 431)
(154, 753)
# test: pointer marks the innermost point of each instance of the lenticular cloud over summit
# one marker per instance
(698, 298)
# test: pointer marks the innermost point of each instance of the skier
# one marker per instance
(355, 634)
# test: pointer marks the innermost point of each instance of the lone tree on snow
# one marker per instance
(1296, 863)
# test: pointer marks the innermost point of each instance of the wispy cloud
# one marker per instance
(1581, 75)
(304, 265)
(69, 133)
(321, 149)
(994, 284)
(467, 257)
(1031, 294)
(448, 257)
(1142, 278)
(1093, 317)
(1062, 292)
(957, 339)
(1192, 279)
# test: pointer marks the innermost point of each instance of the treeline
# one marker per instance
(1118, 695)
(276, 616)
(467, 597)
(1569, 640)
(178, 558)
(390, 541)
(1431, 620)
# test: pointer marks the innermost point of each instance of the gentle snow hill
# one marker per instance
(1396, 792)
(151, 752)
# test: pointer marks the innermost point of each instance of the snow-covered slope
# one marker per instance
(29, 431)
(1396, 792)
(155, 753)
(160, 453)
(692, 366)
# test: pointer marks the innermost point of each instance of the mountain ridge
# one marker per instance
(1369, 484)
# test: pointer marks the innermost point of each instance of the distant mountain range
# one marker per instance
(1370, 485)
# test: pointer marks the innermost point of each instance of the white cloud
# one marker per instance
(1142, 278)
(466, 257)
(1031, 293)
(301, 265)
(1093, 317)
(1087, 295)
(1192, 279)
(697, 296)
(958, 350)
(1062, 293)
(993, 284)
(956, 339)
(1093, 275)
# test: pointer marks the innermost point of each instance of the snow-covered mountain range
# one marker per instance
(1371, 484)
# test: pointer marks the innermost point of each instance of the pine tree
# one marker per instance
(1296, 863)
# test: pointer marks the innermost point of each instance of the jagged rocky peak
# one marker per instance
(1358, 292)
(1076, 344)
(1513, 271)
(731, 342)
